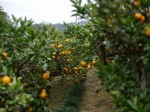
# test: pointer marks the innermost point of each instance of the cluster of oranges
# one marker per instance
(139, 16)
(5, 79)
(78, 72)
(72, 70)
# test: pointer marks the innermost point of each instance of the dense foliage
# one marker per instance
(117, 35)
(119, 32)
(32, 55)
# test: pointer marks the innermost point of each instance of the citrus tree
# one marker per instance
(119, 32)
(31, 56)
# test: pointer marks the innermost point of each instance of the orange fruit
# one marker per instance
(75, 68)
(83, 63)
(65, 75)
(5, 54)
(53, 57)
(46, 75)
(66, 40)
(60, 46)
(137, 3)
(138, 16)
(89, 67)
(43, 95)
(94, 62)
(69, 60)
(6, 80)
(43, 90)
(30, 109)
(53, 45)
(81, 72)
(143, 19)
(63, 53)
(54, 53)
(147, 32)
(66, 69)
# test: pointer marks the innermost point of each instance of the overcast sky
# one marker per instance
(52, 11)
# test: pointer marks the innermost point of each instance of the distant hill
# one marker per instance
(61, 27)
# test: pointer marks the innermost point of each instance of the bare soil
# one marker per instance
(96, 99)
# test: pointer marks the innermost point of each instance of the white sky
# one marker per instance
(51, 11)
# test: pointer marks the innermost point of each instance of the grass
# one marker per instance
(72, 100)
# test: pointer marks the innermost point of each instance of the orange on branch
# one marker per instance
(60, 46)
(30, 109)
(54, 53)
(94, 62)
(46, 75)
(5, 54)
(6, 80)
(137, 3)
(89, 67)
(43, 90)
(75, 68)
(138, 16)
(66, 40)
(43, 95)
(66, 69)
(84, 63)
(147, 32)
(65, 75)
(143, 19)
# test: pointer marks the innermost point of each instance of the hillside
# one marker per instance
(61, 27)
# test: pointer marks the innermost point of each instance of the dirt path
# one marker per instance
(95, 99)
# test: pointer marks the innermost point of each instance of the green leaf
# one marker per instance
(2, 110)
(14, 18)
(4, 70)
(45, 66)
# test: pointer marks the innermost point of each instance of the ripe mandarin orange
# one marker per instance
(43, 95)
(137, 3)
(6, 80)
(83, 63)
(5, 54)
(46, 75)
(147, 32)
(138, 16)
